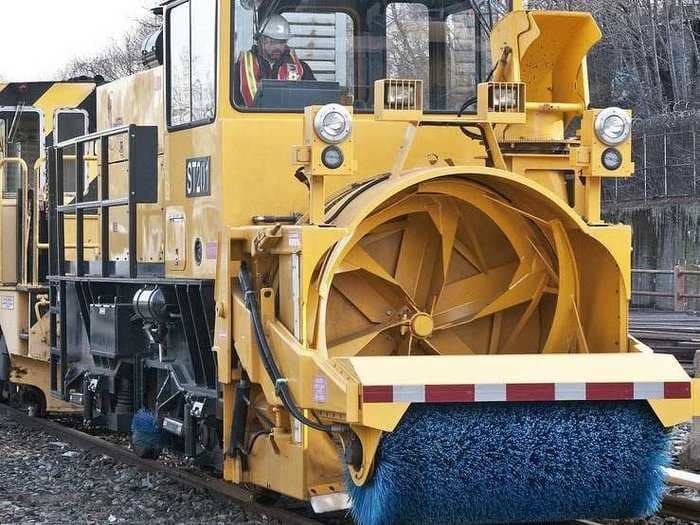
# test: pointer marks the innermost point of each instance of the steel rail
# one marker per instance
(216, 487)
(683, 508)
(682, 478)
(677, 506)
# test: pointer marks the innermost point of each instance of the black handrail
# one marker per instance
(142, 188)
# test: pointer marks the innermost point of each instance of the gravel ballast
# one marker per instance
(44, 480)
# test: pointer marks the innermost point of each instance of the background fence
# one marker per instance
(677, 289)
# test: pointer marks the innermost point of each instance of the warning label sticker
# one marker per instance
(320, 389)
(294, 239)
(7, 302)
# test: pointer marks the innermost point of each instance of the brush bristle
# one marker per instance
(516, 463)
(145, 433)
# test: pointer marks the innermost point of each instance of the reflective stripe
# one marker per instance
(570, 392)
(680, 390)
(449, 393)
(250, 74)
(489, 392)
(649, 391)
(534, 392)
(249, 77)
(609, 391)
(524, 392)
(409, 394)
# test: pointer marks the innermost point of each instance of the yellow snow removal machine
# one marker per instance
(352, 252)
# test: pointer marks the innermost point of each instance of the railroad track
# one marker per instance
(675, 333)
(675, 506)
(682, 508)
(679, 507)
(216, 487)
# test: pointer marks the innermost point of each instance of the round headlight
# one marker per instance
(612, 159)
(332, 157)
(613, 126)
(333, 124)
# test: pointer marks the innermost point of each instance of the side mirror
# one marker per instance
(152, 50)
(250, 5)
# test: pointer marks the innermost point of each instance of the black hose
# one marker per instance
(240, 416)
(474, 99)
(348, 190)
(474, 136)
(248, 449)
(301, 177)
(273, 371)
(370, 184)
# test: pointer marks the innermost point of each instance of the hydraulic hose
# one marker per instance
(273, 371)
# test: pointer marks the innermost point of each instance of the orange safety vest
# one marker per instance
(250, 74)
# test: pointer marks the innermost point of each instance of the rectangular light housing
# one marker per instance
(502, 102)
(398, 100)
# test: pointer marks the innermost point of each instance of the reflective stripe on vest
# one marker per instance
(250, 74)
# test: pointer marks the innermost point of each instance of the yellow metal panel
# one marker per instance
(672, 412)
(551, 64)
(175, 239)
(137, 99)
(515, 31)
(13, 320)
(203, 215)
(28, 371)
(383, 416)
(516, 369)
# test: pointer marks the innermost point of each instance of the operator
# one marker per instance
(271, 58)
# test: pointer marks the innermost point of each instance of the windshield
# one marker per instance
(293, 54)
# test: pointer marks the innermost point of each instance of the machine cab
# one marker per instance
(331, 52)
(234, 112)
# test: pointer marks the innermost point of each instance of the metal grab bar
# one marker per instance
(555, 107)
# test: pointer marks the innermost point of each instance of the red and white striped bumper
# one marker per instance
(387, 385)
(479, 393)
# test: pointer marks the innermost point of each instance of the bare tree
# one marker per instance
(122, 58)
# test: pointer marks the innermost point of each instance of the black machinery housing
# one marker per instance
(123, 337)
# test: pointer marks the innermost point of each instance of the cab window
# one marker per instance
(191, 63)
(22, 139)
(343, 47)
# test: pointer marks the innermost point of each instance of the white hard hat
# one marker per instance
(277, 28)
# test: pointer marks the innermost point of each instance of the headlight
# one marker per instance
(400, 94)
(612, 159)
(332, 157)
(333, 124)
(613, 126)
(505, 98)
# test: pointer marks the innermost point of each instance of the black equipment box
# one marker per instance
(111, 331)
(297, 94)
